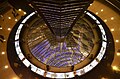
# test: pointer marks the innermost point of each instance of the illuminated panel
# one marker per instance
(16, 43)
(51, 75)
(26, 63)
(20, 27)
(102, 51)
(33, 68)
(97, 22)
(91, 16)
(69, 75)
(82, 71)
(60, 75)
(103, 32)
(18, 50)
(40, 71)
(28, 17)
(100, 26)
(104, 44)
(104, 37)
(88, 68)
(99, 57)
(21, 56)
(94, 63)
(18, 32)
(78, 72)
(16, 36)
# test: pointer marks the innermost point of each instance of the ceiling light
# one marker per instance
(112, 18)
(0, 27)
(104, 78)
(101, 10)
(3, 53)
(90, 4)
(118, 54)
(112, 30)
(4, 40)
(24, 12)
(96, 13)
(15, 78)
(6, 66)
(116, 41)
(9, 17)
(115, 68)
(9, 28)
(16, 20)
(19, 9)
(105, 20)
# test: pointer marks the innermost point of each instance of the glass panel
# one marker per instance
(26, 63)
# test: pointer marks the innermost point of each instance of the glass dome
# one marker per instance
(60, 52)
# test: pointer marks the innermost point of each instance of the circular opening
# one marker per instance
(58, 51)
